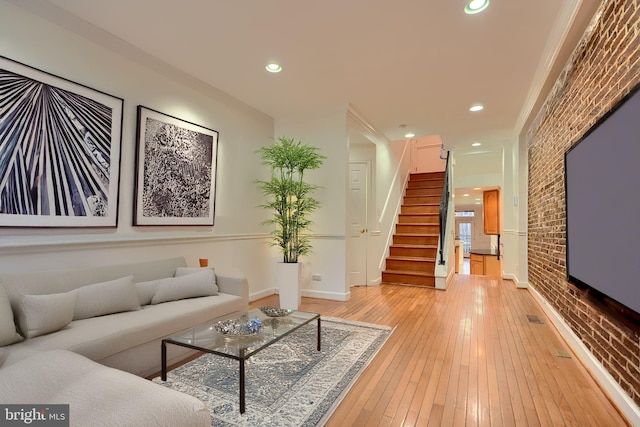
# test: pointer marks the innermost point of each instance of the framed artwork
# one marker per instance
(175, 171)
(59, 151)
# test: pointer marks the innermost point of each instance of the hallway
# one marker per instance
(466, 356)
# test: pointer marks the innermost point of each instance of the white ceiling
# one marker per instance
(421, 63)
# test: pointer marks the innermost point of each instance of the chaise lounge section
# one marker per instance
(101, 324)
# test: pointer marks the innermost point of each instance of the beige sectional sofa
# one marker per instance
(109, 318)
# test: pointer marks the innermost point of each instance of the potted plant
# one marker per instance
(289, 198)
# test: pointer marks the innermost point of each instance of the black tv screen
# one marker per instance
(602, 179)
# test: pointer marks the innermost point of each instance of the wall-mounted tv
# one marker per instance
(602, 179)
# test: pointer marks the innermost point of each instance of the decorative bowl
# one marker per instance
(240, 327)
(275, 311)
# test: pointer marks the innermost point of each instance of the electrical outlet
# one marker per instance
(316, 277)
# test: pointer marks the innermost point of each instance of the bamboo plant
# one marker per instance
(288, 196)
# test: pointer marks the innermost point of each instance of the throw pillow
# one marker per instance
(146, 291)
(8, 333)
(184, 271)
(42, 314)
(109, 297)
(190, 286)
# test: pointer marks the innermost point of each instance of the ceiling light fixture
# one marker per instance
(409, 135)
(476, 144)
(476, 6)
(273, 67)
(476, 107)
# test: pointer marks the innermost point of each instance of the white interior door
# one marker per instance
(358, 186)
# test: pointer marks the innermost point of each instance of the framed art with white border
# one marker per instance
(59, 151)
(175, 171)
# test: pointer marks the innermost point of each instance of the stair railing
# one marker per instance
(444, 205)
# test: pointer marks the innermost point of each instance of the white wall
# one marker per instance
(393, 163)
(90, 57)
(327, 130)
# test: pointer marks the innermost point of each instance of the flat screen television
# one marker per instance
(602, 180)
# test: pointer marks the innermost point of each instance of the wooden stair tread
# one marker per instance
(410, 258)
(408, 246)
(410, 273)
(420, 214)
(418, 234)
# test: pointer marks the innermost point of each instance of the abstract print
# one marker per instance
(56, 154)
(176, 171)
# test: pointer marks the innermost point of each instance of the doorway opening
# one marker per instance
(464, 234)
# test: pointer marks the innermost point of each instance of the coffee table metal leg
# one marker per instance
(164, 361)
(319, 334)
(242, 386)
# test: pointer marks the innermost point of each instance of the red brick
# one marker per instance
(604, 68)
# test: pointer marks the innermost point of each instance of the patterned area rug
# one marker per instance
(289, 383)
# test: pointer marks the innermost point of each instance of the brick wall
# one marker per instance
(602, 70)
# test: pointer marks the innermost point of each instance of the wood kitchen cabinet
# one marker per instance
(486, 264)
(491, 208)
(476, 264)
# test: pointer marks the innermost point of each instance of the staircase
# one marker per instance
(412, 255)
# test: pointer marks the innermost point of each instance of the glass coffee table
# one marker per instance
(206, 339)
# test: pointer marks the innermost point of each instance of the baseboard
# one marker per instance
(615, 392)
(443, 282)
(305, 293)
(519, 284)
(262, 294)
(326, 295)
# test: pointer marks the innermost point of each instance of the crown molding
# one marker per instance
(555, 42)
(366, 127)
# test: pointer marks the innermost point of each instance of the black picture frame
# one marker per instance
(176, 163)
(60, 145)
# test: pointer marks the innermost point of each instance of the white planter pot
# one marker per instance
(288, 281)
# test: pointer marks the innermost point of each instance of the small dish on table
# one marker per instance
(275, 311)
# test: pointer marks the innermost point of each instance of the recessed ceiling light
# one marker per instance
(409, 135)
(476, 6)
(466, 194)
(476, 188)
(476, 107)
(272, 67)
(476, 144)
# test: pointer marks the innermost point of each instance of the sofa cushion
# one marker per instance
(42, 314)
(109, 297)
(55, 281)
(194, 285)
(184, 271)
(101, 337)
(8, 332)
(97, 395)
(146, 291)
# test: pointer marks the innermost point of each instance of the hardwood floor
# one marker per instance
(468, 356)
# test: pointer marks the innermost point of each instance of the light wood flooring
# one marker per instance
(467, 356)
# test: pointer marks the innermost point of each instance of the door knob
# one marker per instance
(363, 230)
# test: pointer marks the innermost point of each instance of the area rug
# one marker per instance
(289, 383)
